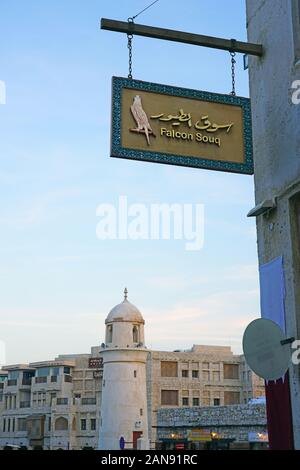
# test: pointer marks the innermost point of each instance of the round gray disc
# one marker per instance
(262, 349)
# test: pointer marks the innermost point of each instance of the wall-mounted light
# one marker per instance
(263, 208)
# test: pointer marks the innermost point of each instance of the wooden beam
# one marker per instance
(180, 36)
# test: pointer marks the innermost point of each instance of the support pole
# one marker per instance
(180, 36)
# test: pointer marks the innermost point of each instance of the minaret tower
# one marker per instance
(124, 395)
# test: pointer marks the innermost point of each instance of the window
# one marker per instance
(8, 427)
(93, 424)
(55, 371)
(135, 334)
(195, 401)
(83, 424)
(43, 371)
(231, 371)
(205, 376)
(4, 425)
(169, 369)
(141, 411)
(41, 380)
(185, 401)
(13, 374)
(231, 398)
(169, 397)
(216, 401)
(28, 374)
(22, 424)
(67, 370)
(13, 424)
(52, 398)
(88, 401)
(195, 374)
(62, 401)
(185, 373)
(216, 376)
(27, 377)
(134, 374)
(49, 424)
(109, 332)
(61, 424)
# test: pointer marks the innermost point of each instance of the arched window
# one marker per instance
(135, 334)
(61, 424)
(109, 333)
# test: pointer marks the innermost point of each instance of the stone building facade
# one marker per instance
(64, 403)
(52, 404)
(205, 376)
(56, 404)
(238, 423)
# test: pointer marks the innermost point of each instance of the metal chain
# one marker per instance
(129, 45)
(233, 62)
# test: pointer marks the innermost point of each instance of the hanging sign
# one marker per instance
(95, 362)
(200, 435)
(179, 126)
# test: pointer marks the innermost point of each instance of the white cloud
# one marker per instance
(215, 319)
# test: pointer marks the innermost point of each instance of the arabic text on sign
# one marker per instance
(182, 117)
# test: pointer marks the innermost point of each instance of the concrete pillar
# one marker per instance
(276, 138)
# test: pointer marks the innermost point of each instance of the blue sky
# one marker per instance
(57, 280)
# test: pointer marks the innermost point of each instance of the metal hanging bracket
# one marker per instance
(287, 341)
(129, 46)
(233, 62)
(180, 36)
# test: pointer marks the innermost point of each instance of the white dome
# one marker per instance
(125, 311)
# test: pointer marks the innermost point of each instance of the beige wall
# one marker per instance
(86, 386)
(208, 383)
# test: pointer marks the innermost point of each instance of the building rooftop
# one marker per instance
(18, 367)
(125, 311)
(55, 363)
(203, 348)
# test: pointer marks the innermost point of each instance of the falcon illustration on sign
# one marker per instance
(141, 119)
